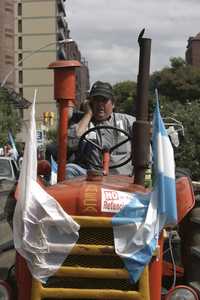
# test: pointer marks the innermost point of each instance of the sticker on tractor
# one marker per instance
(113, 201)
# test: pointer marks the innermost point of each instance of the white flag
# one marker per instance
(44, 233)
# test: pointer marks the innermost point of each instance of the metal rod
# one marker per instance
(62, 140)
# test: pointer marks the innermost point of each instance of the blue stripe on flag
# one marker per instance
(135, 240)
(167, 198)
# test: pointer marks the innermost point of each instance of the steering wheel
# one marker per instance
(103, 149)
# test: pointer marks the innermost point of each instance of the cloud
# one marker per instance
(107, 31)
(107, 63)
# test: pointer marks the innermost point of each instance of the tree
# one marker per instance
(177, 62)
(10, 118)
(125, 93)
(179, 82)
(179, 94)
(187, 155)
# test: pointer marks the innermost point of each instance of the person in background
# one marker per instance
(8, 151)
(99, 110)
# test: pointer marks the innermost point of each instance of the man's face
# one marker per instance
(102, 108)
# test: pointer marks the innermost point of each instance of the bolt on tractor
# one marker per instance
(93, 270)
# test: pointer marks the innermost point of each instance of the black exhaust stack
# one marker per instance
(141, 128)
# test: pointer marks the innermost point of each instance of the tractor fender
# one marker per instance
(184, 197)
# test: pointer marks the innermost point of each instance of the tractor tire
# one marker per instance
(189, 230)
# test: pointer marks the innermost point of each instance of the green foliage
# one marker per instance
(177, 62)
(9, 117)
(125, 93)
(179, 94)
(187, 155)
(179, 82)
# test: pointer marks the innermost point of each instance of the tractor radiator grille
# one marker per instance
(93, 236)
(97, 236)
(93, 270)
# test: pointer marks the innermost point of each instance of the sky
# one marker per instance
(107, 30)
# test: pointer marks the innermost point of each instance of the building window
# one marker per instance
(19, 25)
(19, 9)
(21, 91)
(20, 42)
(21, 77)
(20, 58)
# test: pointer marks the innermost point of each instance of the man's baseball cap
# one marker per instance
(104, 89)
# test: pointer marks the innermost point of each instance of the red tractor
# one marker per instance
(93, 270)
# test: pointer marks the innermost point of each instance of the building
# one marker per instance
(40, 24)
(82, 73)
(7, 41)
(192, 54)
(7, 59)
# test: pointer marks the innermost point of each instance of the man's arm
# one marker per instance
(77, 128)
(82, 125)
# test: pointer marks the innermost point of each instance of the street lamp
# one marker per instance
(30, 55)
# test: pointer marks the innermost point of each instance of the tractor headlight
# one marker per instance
(182, 293)
(4, 290)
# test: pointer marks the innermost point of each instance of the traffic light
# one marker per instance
(48, 117)
(45, 117)
(51, 118)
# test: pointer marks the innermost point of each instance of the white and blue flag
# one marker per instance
(12, 143)
(164, 170)
(43, 232)
(137, 226)
(54, 170)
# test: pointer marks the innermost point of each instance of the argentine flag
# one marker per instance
(137, 226)
(164, 170)
(43, 232)
(54, 170)
(12, 143)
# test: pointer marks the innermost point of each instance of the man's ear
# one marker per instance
(113, 105)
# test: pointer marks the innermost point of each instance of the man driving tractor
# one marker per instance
(98, 114)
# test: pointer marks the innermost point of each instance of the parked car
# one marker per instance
(9, 173)
(8, 168)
